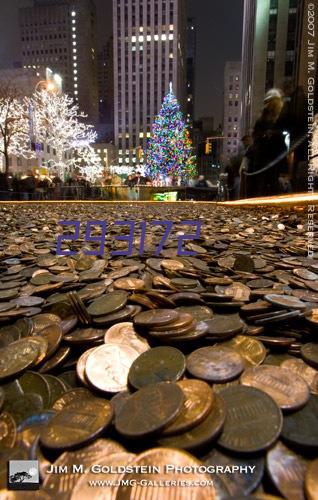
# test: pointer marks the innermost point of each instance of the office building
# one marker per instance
(149, 52)
(271, 51)
(232, 109)
(61, 34)
(106, 82)
(191, 59)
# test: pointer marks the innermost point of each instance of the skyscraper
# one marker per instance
(149, 52)
(61, 34)
(106, 82)
(232, 109)
(270, 53)
(191, 57)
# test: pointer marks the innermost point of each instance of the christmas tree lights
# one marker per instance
(169, 152)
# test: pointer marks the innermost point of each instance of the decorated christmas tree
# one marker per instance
(169, 151)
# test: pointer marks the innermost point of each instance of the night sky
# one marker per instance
(219, 35)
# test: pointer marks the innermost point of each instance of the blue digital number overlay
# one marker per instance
(91, 237)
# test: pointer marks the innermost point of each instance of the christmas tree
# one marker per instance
(169, 151)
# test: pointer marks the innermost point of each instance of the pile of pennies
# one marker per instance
(157, 377)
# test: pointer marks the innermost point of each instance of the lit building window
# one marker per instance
(156, 37)
(164, 37)
(170, 36)
(141, 29)
(73, 13)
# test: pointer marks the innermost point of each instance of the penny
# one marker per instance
(8, 294)
(287, 471)
(159, 457)
(235, 482)
(311, 483)
(35, 383)
(78, 424)
(16, 358)
(8, 431)
(199, 313)
(53, 334)
(309, 353)
(172, 265)
(43, 346)
(305, 274)
(224, 326)
(70, 397)
(253, 420)
(55, 360)
(203, 433)
(107, 367)
(252, 351)
(42, 321)
(83, 335)
(157, 317)
(129, 284)
(2, 396)
(108, 303)
(149, 410)
(29, 301)
(198, 403)
(215, 364)
(119, 316)
(300, 429)
(286, 388)
(238, 291)
(299, 367)
(285, 301)
(124, 333)
(85, 456)
(57, 388)
(157, 365)
(260, 283)
(26, 405)
(182, 321)
(103, 489)
(184, 298)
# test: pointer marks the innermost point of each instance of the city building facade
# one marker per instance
(271, 52)
(191, 60)
(232, 109)
(106, 82)
(61, 34)
(149, 53)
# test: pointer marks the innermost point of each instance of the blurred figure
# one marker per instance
(28, 185)
(268, 145)
(202, 182)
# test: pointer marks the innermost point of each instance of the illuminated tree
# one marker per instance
(14, 126)
(58, 123)
(170, 151)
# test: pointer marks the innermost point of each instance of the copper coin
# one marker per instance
(312, 316)
(173, 334)
(253, 420)
(124, 333)
(8, 431)
(108, 303)
(172, 265)
(285, 301)
(55, 360)
(215, 364)
(299, 367)
(16, 358)
(43, 346)
(129, 284)
(122, 315)
(287, 471)
(29, 301)
(78, 424)
(105, 474)
(53, 334)
(198, 331)
(42, 321)
(178, 461)
(252, 351)
(107, 367)
(70, 397)
(149, 410)
(85, 456)
(238, 292)
(157, 365)
(311, 482)
(198, 403)
(182, 321)
(84, 335)
(300, 428)
(35, 383)
(203, 433)
(235, 482)
(199, 313)
(224, 325)
(157, 317)
(286, 388)
(81, 364)
(309, 353)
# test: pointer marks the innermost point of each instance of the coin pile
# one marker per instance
(206, 362)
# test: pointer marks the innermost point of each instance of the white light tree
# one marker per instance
(14, 126)
(58, 123)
